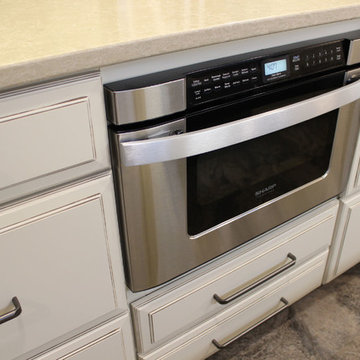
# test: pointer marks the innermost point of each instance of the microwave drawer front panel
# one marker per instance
(198, 342)
(50, 136)
(112, 341)
(177, 310)
(55, 258)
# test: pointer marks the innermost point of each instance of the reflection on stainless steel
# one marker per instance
(146, 103)
(176, 147)
(354, 52)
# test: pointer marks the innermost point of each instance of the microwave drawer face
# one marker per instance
(54, 258)
(177, 310)
(51, 136)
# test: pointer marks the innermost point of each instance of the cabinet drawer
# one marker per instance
(50, 135)
(60, 257)
(172, 310)
(112, 341)
(198, 343)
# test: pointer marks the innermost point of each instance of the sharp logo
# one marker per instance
(265, 190)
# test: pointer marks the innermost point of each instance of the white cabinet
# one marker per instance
(244, 276)
(60, 257)
(51, 135)
(345, 250)
(60, 250)
(112, 341)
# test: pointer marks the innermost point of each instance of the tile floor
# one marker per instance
(324, 325)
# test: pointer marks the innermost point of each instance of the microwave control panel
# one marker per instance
(212, 84)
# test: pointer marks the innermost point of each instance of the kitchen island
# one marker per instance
(58, 218)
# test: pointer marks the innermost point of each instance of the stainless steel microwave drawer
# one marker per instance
(51, 134)
(181, 305)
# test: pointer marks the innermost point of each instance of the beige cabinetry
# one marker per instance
(60, 253)
(236, 291)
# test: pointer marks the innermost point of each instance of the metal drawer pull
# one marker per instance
(252, 286)
(12, 313)
(222, 346)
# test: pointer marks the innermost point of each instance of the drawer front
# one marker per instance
(161, 318)
(198, 343)
(51, 135)
(60, 257)
(112, 341)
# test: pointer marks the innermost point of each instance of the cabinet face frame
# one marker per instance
(93, 197)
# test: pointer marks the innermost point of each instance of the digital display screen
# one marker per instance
(275, 67)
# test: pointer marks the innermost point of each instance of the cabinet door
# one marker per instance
(345, 250)
(60, 256)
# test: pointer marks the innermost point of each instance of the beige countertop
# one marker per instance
(47, 39)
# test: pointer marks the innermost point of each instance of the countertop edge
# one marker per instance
(75, 63)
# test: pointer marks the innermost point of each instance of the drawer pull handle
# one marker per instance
(12, 313)
(257, 283)
(225, 344)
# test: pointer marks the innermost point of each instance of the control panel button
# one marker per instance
(206, 80)
(235, 73)
(216, 78)
(226, 76)
(244, 71)
(296, 58)
(196, 83)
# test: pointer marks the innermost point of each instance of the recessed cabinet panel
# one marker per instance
(46, 140)
(55, 258)
(51, 135)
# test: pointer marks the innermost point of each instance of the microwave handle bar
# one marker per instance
(143, 152)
